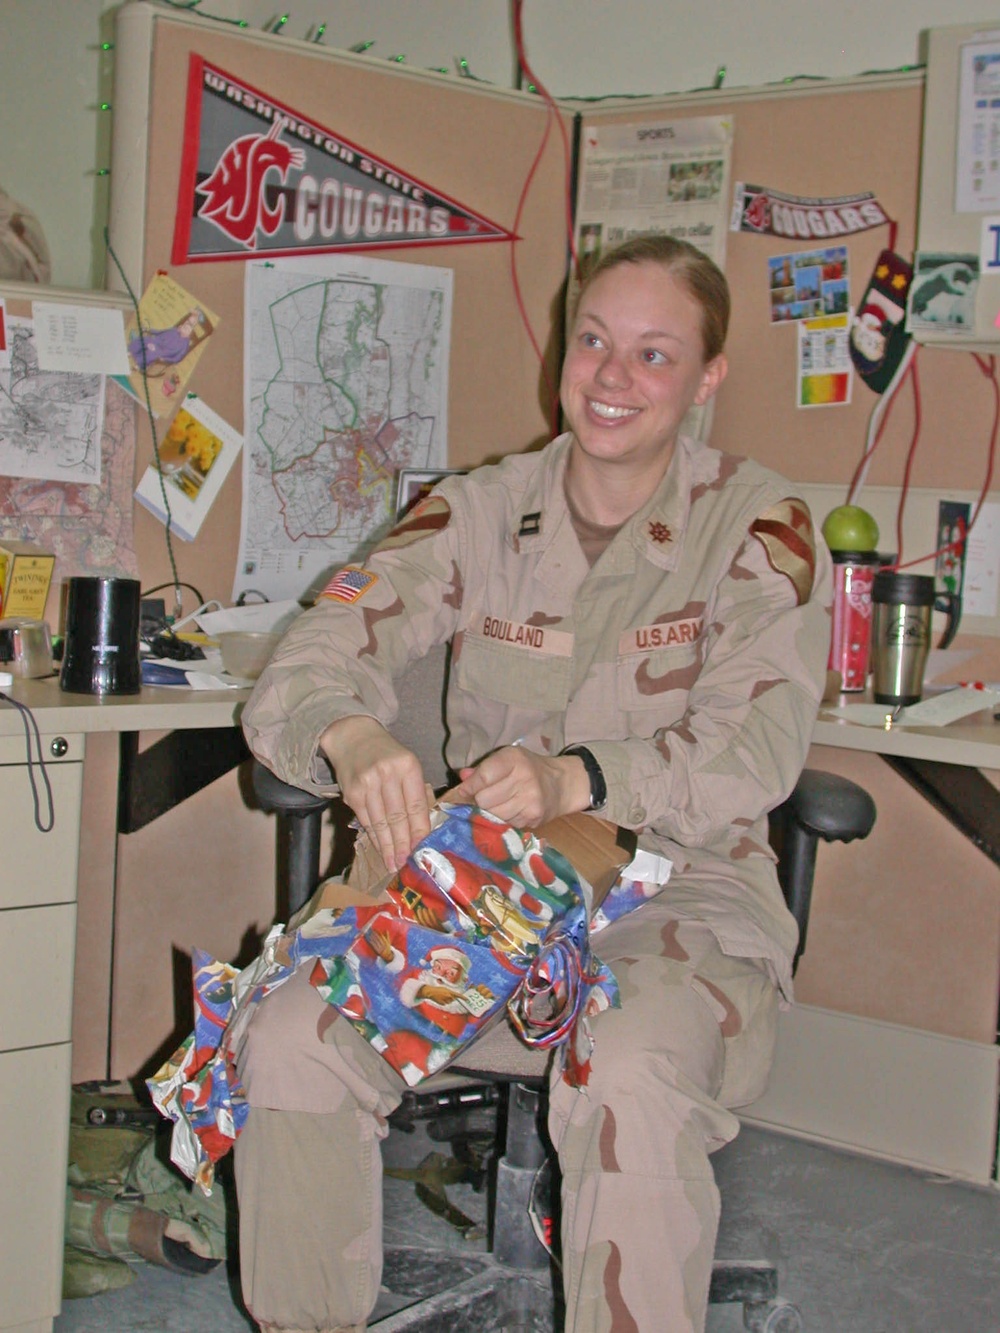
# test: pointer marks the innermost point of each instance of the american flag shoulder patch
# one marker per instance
(349, 584)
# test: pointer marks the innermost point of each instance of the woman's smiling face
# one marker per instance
(635, 365)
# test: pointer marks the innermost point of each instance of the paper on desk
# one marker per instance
(204, 680)
(269, 617)
(937, 711)
(200, 674)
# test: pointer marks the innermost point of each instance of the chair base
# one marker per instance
(460, 1292)
(456, 1292)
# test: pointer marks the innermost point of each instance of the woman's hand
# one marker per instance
(524, 788)
(382, 782)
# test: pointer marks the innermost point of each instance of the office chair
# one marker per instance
(514, 1275)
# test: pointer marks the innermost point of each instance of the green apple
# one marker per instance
(850, 528)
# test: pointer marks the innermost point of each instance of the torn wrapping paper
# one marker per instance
(198, 1087)
(482, 917)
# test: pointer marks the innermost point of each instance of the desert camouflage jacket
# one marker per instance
(690, 659)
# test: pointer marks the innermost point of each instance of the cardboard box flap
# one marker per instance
(595, 848)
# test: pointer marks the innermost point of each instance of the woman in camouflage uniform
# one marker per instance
(639, 626)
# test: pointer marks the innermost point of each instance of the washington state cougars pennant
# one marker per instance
(769, 212)
(260, 179)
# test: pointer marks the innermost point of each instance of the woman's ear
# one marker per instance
(712, 376)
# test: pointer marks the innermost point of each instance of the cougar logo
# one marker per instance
(757, 213)
(234, 191)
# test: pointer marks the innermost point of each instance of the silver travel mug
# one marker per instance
(901, 635)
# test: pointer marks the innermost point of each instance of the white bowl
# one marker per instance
(245, 653)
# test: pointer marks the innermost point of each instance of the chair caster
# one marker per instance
(772, 1317)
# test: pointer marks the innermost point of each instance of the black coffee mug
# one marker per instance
(101, 651)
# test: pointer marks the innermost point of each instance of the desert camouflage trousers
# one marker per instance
(640, 1208)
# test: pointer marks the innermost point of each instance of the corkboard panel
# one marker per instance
(474, 145)
(832, 142)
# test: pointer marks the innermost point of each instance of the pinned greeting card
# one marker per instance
(195, 456)
(165, 343)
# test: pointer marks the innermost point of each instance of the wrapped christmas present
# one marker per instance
(483, 918)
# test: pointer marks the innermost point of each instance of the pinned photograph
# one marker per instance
(414, 484)
(942, 296)
(195, 454)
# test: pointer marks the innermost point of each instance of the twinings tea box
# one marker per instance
(25, 575)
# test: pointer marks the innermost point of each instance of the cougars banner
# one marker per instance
(258, 178)
(771, 213)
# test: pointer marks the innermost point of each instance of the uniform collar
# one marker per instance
(655, 533)
(657, 530)
(538, 518)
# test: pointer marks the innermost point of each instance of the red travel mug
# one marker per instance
(853, 575)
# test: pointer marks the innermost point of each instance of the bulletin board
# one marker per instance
(475, 144)
(481, 145)
(829, 139)
(960, 180)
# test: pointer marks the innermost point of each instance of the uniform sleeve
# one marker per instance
(741, 743)
(341, 657)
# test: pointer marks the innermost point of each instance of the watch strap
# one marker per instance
(598, 787)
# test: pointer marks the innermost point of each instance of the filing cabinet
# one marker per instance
(37, 942)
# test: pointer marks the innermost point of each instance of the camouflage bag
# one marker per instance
(125, 1204)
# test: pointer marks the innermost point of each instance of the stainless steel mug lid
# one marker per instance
(896, 589)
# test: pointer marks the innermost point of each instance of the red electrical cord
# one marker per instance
(988, 367)
(867, 455)
(910, 455)
(549, 100)
(553, 114)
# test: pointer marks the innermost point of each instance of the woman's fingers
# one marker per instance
(382, 782)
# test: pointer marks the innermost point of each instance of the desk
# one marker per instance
(38, 894)
(868, 1085)
(822, 1055)
(974, 742)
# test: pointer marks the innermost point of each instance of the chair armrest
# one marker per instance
(282, 798)
(831, 807)
(822, 805)
(300, 830)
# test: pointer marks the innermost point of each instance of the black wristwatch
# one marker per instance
(598, 787)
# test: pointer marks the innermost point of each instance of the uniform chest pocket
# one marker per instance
(660, 679)
(510, 674)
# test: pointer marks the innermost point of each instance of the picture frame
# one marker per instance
(412, 484)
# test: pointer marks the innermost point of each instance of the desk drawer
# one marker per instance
(39, 867)
(57, 748)
(37, 947)
(34, 1134)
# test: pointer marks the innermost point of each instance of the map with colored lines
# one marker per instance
(345, 383)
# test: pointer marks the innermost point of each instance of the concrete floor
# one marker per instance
(861, 1247)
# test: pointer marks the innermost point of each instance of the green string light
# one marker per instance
(464, 69)
(186, 5)
(104, 106)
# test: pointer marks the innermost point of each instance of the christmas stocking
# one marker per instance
(878, 336)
